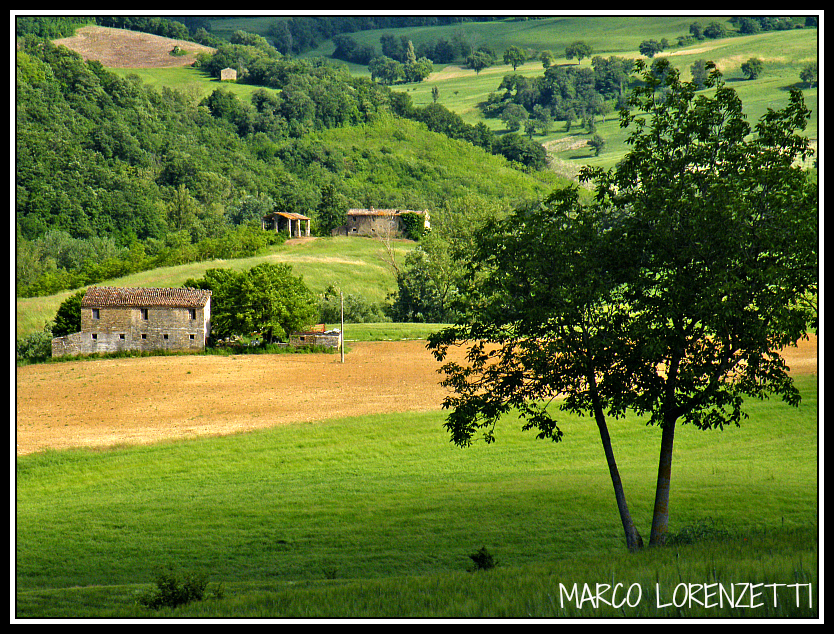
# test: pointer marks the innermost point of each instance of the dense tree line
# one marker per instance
(50, 27)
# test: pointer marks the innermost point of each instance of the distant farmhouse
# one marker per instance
(369, 222)
(287, 221)
(115, 319)
(228, 74)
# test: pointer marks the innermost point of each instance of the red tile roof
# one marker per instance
(102, 296)
(382, 212)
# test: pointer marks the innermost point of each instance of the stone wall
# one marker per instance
(329, 339)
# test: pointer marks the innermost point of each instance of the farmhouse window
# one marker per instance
(165, 337)
(192, 313)
(144, 336)
(121, 336)
(95, 336)
(95, 313)
(143, 312)
(191, 337)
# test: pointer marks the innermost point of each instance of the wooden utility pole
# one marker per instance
(342, 331)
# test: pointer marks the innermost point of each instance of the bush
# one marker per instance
(171, 592)
(703, 530)
(482, 560)
(35, 347)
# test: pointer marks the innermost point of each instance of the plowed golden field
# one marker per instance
(105, 402)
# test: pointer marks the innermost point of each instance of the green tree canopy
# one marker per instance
(515, 57)
(579, 50)
(753, 67)
(670, 294)
(266, 299)
(68, 317)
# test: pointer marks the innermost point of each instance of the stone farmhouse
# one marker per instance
(370, 222)
(115, 319)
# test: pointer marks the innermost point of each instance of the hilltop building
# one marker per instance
(369, 222)
(287, 221)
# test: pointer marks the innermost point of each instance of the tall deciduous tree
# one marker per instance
(669, 295)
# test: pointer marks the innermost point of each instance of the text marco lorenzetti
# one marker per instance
(689, 595)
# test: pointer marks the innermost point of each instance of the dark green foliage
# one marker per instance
(482, 560)
(670, 295)
(50, 27)
(753, 67)
(266, 299)
(413, 225)
(34, 348)
(113, 177)
(68, 317)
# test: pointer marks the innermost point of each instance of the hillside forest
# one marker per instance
(114, 176)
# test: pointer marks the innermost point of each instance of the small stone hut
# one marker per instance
(228, 74)
(115, 319)
(370, 222)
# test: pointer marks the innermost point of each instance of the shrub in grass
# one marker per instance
(703, 530)
(171, 591)
(482, 560)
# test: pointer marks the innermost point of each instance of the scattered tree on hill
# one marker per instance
(699, 73)
(650, 48)
(715, 30)
(514, 116)
(479, 60)
(580, 50)
(386, 70)
(515, 57)
(697, 30)
(669, 295)
(808, 74)
(752, 68)
(597, 142)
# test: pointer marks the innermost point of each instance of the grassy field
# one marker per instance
(356, 265)
(376, 517)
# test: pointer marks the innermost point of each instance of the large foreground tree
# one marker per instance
(668, 295)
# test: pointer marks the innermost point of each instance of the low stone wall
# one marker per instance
(330, 339)
(68, 345)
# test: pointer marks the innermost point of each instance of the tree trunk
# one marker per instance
(660, 517)
(634, 541)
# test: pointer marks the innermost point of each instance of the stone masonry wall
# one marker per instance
(128, 328)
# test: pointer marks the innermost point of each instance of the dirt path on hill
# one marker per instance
(143, 400)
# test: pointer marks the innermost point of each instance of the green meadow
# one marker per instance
(356, 265)
(377, 516)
